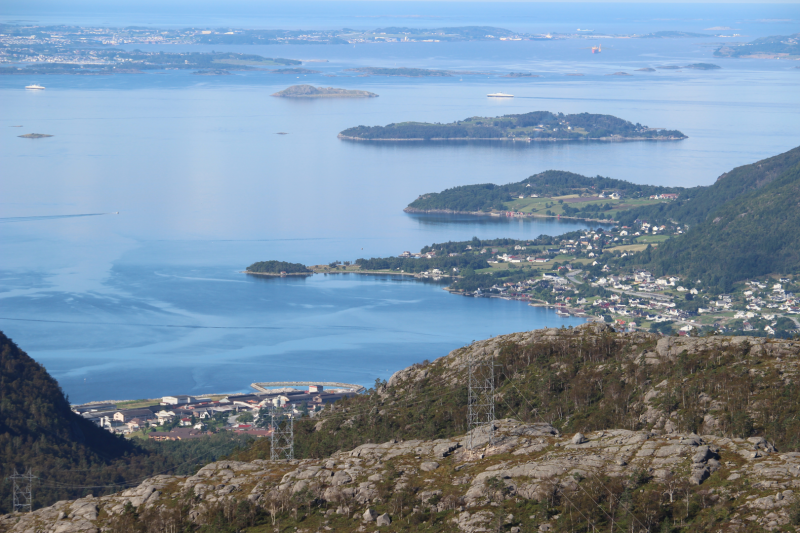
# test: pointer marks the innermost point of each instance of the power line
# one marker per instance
(23, 491)
(480, 400)
(282, 444)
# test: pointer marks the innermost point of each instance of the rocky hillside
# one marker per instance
(579, 380)
(597, 431)
(528, 477)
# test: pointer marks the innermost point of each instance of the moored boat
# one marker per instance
(500, 95)
(34, 87)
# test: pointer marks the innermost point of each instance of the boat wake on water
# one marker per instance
(51, 217)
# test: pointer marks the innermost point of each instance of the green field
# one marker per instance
(651, 239)
(540, 206)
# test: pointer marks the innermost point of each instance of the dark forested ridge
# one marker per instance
(755, 234)
(487, 196)
(696, 204)
(535, 125)
(69, 455)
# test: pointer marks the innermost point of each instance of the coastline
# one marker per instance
(324, 96)
(414, 210)
(278, 275)
(518, 139)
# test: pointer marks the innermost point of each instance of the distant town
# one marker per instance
(183, 416)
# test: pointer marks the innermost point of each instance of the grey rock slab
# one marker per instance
(383, 520)
(370, 515)
(429, 466)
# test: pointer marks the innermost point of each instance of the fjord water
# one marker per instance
(151, 301)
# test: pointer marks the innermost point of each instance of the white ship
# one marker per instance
(34, 86)
(500, 95)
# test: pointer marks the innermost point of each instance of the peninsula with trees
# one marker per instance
(533, 126)
(309, 91)
(717, 259)
(553, 193)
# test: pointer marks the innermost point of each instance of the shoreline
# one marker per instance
(499, 214)
(273, 274)
(516, 139)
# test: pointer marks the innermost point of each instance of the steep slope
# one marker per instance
(676, 434)
(69, 455)
(754, 234)
(37, 428)
(696, 205)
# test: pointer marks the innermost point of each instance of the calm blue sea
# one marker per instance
(151, 301)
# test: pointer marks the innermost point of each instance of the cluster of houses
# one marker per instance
(667, 196)
(643, 281)
(190, 416)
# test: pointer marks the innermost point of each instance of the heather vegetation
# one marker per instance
(579, 381)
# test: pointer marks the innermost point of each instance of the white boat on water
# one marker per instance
(500, 95)
(34, 86)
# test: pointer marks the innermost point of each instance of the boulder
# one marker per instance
(370, 515)
(429, 466)
(383, 520)
(579, 439)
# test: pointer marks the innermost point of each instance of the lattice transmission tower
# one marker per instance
(480, 408)
(282, 435)
(23, 491)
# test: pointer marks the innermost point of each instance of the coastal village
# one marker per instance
(568, 276)
(583, 274)
(182, 416)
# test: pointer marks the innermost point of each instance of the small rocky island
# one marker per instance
(309, 91)
(34, 136)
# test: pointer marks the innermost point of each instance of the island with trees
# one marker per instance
(553, 193)
(534, 126)
(309, 91)
(278, 268)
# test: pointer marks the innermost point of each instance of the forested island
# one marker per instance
(534, 126)
(277, 268)
(550, 193)
(309, 91)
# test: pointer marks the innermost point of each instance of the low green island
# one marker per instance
(401, 72)
(534, 126)
(774, 47)
(34, 136)
(693, 66)
(278, 268)
(295, 71)
(116, 61)
(553, 193)
(309, 91)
